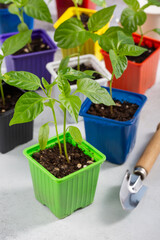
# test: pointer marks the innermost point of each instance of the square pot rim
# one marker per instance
(50, 143)
(147, 59)
(52, 45)
(52, 65)
(84, 113)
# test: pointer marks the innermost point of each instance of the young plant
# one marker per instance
(33, 8)
(30, 104)
(134, 17)
(119, 45)
(71, 33)
(10, 46)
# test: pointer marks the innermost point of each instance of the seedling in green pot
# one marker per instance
(119, 45)
(33, 8)
(30, 104)
(134, 17)
(10, 46)
(71, 33)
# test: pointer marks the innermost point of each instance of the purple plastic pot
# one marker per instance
(32, 62)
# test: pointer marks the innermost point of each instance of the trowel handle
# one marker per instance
(151, 152)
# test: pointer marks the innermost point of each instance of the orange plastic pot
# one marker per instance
(63, 5)
(138, 77)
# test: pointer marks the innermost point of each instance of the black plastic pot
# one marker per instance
(12, 136)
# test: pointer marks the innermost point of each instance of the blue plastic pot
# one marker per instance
(9, 22)
(113, 138)
(32, 62)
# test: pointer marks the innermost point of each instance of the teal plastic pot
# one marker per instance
(64, 196)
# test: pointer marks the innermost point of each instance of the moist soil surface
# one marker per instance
(143, 56)
(4, 6)
(123, 111)
(58, 165)
(36, 45)
(11, 97)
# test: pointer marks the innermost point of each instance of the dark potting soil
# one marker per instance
(123, 111)
(36, 45)
(143, 56)
(4, 6)
(58, 165)
(84, 19)
(83, 68)
(11, 97)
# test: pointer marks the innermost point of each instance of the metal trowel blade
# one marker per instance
(132, 191)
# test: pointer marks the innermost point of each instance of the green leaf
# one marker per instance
(22, 27)
(27, 108)
(131, 19)
(63, 85)
(113, 39)
(154, 2)
(131, 50)
(20, 3)
(133, 4)
(101, 3)
(95, 37)
(64, 63)
(38, 10)
(23, 80)
(75, 134)
(72, 104)
(100, 18)
(157, 30)
(1, 57)
(5, 1)
(70, 34)
(43, 136)
(13, 9)
(45, 83)
(16, 42)
(72, 74)
(119, 63)
(49, 104)
(94, 91)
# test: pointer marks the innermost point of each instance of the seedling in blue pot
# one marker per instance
(134, 16)
(118, 44)
(33, 8)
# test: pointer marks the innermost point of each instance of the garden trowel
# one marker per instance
(132, 189)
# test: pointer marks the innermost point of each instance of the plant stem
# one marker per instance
(77, 13)
(55, 123)
(79, 52)
(64, 137)
(141, 39)
(2, 93)
(110, 87)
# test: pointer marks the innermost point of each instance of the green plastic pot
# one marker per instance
(64, 196)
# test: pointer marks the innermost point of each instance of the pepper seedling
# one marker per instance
(10, 46)
(119, 45)
(30, 104)
(133, 17)
(33, 8)
(71, 33)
